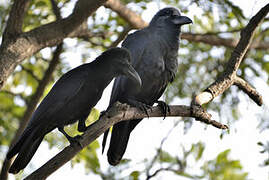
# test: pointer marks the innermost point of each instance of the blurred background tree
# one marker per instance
(204, 49)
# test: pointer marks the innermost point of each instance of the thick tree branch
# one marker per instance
(13, 51)
(137, 22)
(118, 112)
(53, 33)
(228, 77)
(127, 14)
(15, 20)
(32, 105)
(36, 97)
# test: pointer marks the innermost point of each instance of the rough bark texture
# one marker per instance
(249, 90)
(32, 105)
(127, 14)
(119, 112)
(36, 96)
(136, 22)
(227, 78)
(16, 16)
(17, 46)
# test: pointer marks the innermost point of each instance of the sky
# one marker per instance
(146, 137)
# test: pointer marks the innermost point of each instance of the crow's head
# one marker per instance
(169, 16)
(119, 60)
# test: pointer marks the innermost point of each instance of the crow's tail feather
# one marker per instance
(26, 148)
(119, 140)
(17, 146)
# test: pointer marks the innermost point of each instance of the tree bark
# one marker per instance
(136, 22)
(229, 77)
(18, 46)
(32, 105)
(36, 97)
(120, 112)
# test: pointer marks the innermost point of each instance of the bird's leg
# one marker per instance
(142, 106)
(81, 124)
(164, 107)
(71, 140)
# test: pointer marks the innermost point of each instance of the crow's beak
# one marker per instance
(181, 20)
(132, 74)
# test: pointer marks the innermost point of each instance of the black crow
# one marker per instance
(154, 51)
(71, 99)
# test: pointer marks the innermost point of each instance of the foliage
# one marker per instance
(223, 168)
(200, 63)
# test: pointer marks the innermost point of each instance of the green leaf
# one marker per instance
(135, 175)
(166, 157)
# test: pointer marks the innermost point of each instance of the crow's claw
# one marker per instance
(72, 140)
(144, 107)
(102, 113)
(140, 105)
(75, 140)
(164, 107)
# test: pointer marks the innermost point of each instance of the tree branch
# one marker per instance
(215, 40)
(15, 20)
(118, 112)
(248, 89)
(228, 77)
(32, 105)
(156, 172)
(127, 14)
(36, 97)
(13, 51)
(158, 154)
(121, 36)
(56, 10)
(137, 22)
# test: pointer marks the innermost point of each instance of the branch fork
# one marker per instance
(229, 77)
(121, 112)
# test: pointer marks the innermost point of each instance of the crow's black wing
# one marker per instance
(136, 44)
(63, 91)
